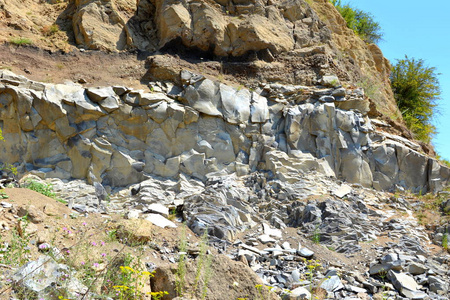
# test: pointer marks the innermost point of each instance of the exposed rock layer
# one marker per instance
(119, 136)
(281, 31)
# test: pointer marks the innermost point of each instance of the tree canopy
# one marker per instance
(416, 91)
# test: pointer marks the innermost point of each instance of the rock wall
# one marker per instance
(118, 136)
(290, 32)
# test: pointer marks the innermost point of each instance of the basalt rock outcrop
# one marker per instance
(305, 40)
(203, 129)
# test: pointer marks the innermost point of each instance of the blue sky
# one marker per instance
(421, 30)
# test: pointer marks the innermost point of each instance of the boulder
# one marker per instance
(40, 279)
(111, 35)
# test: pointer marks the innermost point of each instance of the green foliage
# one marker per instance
(17, 252)
(445, 241)
(416, 91)
(316, 235)
(42, 188)
(361, 22)
(263, 291)
(3, 195)
(443, 160)
(19, 41)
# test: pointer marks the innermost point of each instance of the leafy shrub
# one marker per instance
(361, 22)
(416, 90)
(42, 188)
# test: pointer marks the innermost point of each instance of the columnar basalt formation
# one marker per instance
(118, 136)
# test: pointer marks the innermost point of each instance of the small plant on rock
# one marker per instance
(316, 235)
(131, 283)
(203, 270)
(262, 290)
(20, 41)
(49, 30)
(42, 188)
(312, 266)
(445, 241)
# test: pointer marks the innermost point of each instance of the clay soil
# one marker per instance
(95, 68)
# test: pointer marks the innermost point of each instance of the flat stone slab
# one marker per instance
(342, 191)
(272, 231)
(265, 238)
(160, 221)
(158, 209)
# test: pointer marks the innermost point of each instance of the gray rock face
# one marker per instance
(119, 137)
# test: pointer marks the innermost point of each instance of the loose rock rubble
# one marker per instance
(248, 218)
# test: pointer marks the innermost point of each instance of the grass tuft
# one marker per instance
(20, 41)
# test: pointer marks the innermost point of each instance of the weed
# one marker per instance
(316, 235)
(312, 266)
(335, 83)
(9, 69)
(61, 201)
(383, 274)
(180, 282)
(420, 217)
(16, 252)
(42, 188)
(207, 275)
(371, 88)
(49, 30)
(158, 295)
(112, 235)
(172, 213)
(130, 283)
(360, 22)
(121, 276)
(20, 41)
(3, 195)
(6, 166)
(445, 241)
(9, 167)
(262, 290)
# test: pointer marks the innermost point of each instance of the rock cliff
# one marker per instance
(302, 40)
(266, 124)
(203, 128)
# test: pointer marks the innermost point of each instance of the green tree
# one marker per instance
(362, 23)
(416, 91)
